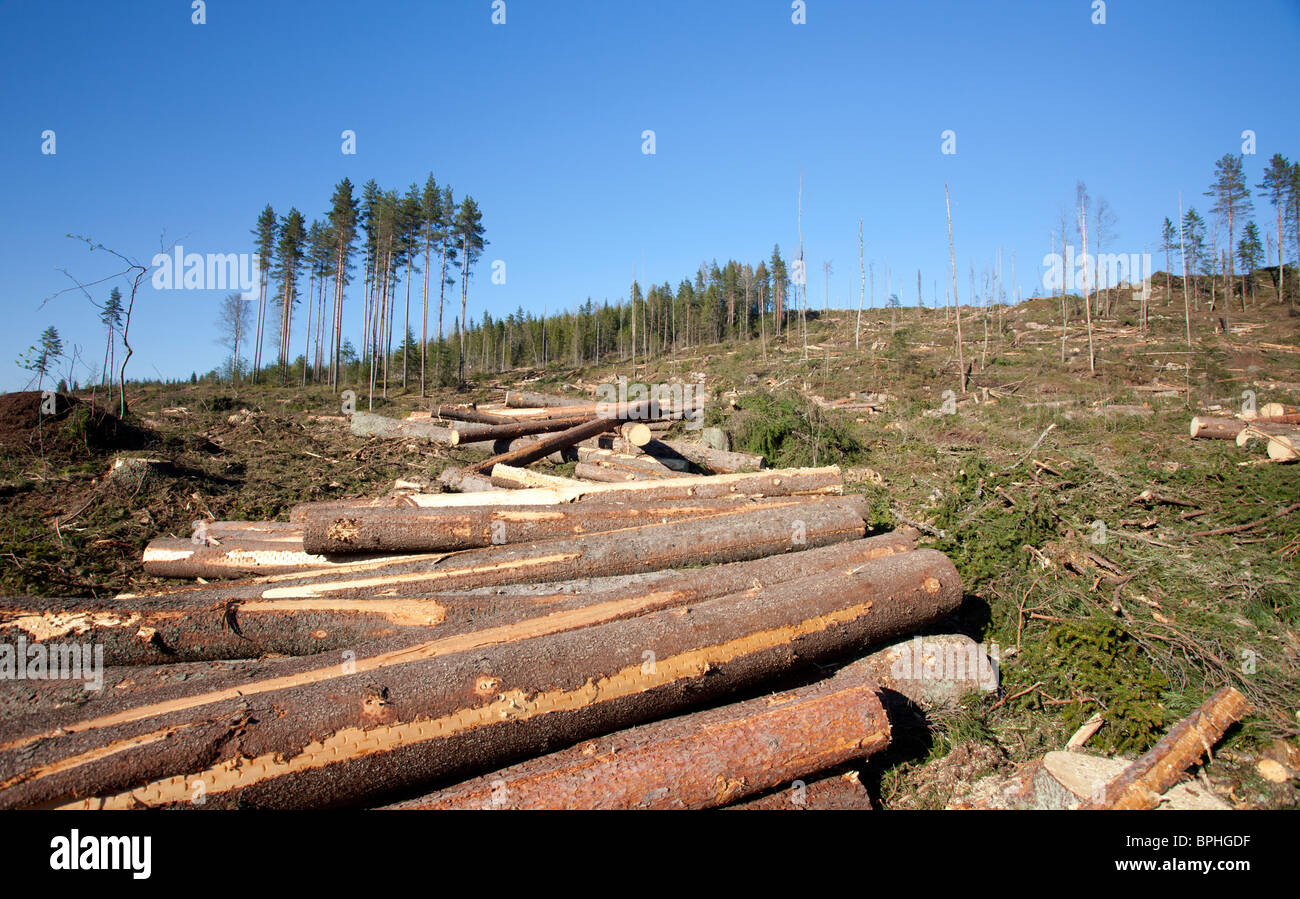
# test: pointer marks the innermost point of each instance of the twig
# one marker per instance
(1031, 449)
(1218, 532)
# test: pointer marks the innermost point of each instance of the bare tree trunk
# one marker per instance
(961, 359)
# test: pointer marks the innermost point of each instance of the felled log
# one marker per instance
(745, 534)
(233, 557)
(471, 433)
(832, 792)
(1228, 428)
(774, 482)
(471, 414)
(458, 479)
(165, 629)
(513, 478)
(401, 715)
(224, 622)
(1280, 412)
(525, 399)
(700, 760)
(567, 438)
(1282, 441)
(613, 473)
(1140, 785)
(443, 530)
(367, 424)
(715, 460)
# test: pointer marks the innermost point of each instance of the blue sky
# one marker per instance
(168, 130)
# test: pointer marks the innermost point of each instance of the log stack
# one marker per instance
(586, 644)
(1274, 426)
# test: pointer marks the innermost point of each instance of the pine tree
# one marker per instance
(1231, 201)
(264, 244)
(1250, 253)
(1194, 244)
(40, 358)
(290, 250)
(343, 228)
(1168, 243)
(469, 236)
(1276, 185)
(111, 317)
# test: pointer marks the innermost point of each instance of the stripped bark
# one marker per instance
(466, 434)
(215, 623)
(774, 482)
(441, 530)
(649, 547)
(402, 715)
(1142, 783)
(514, 478)
(701, 760)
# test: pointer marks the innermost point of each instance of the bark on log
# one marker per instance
(234, 557)
(1140, 785)
(471, 414)
(695, 761)
(744, 534)
(524, 399)
(164, 629)
(392, 531)
(467, 434)
(205, 615)
(367, 424)
(833, 792)
(614, 473)
(215, 624)
(715, 460)
(774, 482)
(401, 716)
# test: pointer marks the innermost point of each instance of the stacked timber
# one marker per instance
(433, 641)
(1274, 426)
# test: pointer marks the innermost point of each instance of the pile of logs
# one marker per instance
(1275, 426)
(551, 643)
(609, 441)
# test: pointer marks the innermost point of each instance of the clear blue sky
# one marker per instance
(166, 129)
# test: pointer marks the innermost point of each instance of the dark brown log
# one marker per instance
(403, 715)
(165, 629)
(1141, 784)
(394, 531)
(700, 760)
